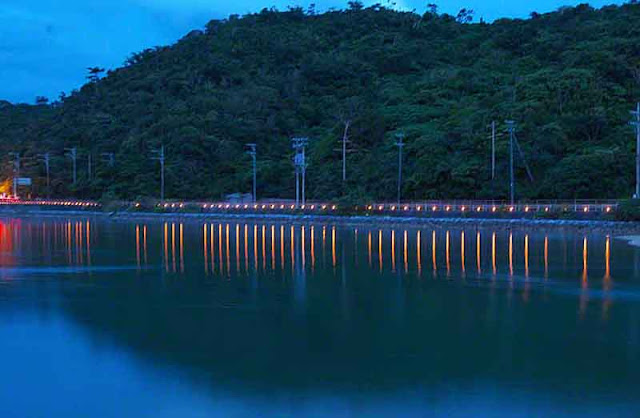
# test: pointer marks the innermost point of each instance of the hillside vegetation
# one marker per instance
(568, 78)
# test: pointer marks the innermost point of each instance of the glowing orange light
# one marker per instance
(493, 209)
(434, 208)
(463, 208)
(333, 207)
(419, 208)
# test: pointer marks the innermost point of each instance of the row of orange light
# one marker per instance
(419, 208)
(494, 209)
(48, 203)
(270, 206)
(247, 206)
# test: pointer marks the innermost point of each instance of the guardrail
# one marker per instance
(57, 203)
(427, 207)
(485, 207)
(439, 207)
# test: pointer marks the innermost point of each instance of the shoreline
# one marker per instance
(617, 226)
(633, 240)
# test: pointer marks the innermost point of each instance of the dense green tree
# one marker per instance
(568, 78)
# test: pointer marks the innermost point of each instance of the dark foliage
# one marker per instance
(569, 78)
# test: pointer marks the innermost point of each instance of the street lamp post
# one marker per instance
(252, 153)
(635, 122)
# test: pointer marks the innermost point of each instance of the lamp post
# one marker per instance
(635, 122)
(252, 153)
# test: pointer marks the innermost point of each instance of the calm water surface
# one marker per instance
(159, 319)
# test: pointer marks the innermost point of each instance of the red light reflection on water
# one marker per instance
(9, 238)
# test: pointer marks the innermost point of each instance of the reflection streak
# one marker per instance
(478, 253)
(205, 232)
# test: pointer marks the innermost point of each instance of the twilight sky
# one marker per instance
(46, 45)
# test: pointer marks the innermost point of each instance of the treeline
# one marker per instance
(568, 78)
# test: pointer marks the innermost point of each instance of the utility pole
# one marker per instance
(400, 145)
(493, 150)
(299, 145)
(109, 158)
(16, 171)
(345, 137)
(304, 173)
(297, 163)
(252, 153)
(636, 123)
(46, 159)
(73, 154)
(159, 156)
(89, 165)
(511, 128)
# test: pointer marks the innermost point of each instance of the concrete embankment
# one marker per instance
(612, 227)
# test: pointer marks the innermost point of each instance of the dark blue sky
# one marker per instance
(46, 45)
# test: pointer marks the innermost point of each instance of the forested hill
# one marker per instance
(569, 79)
